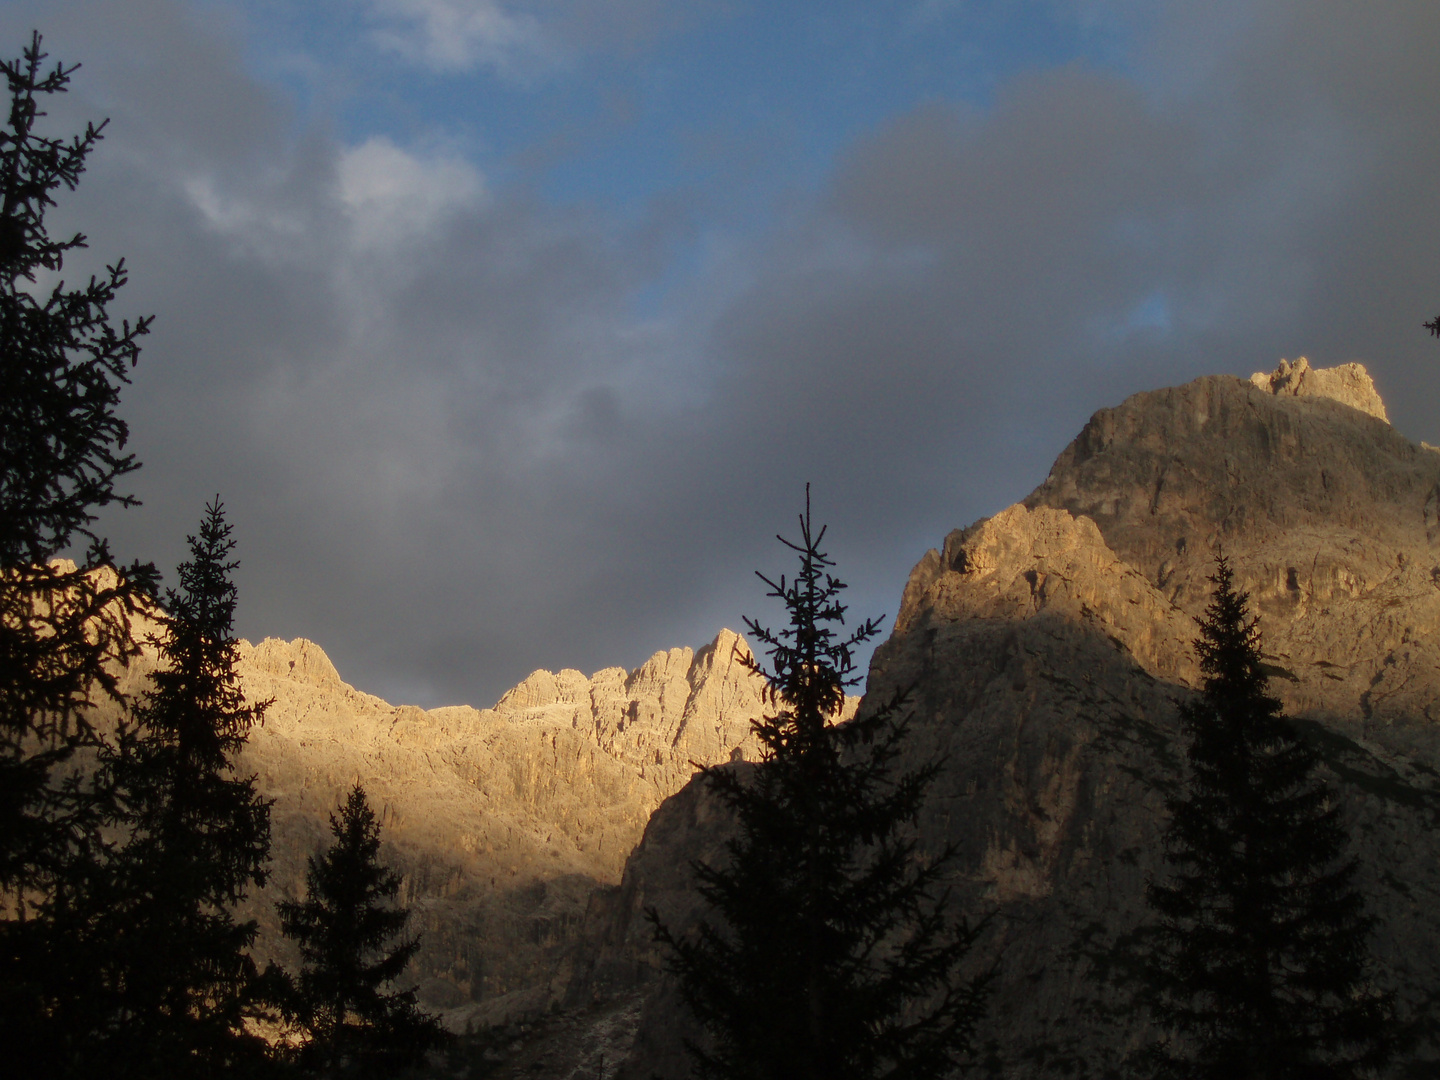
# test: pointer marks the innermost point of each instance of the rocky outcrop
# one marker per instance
(1348, 384)
(502, 820)
(1049, 648)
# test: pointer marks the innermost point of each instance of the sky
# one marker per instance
(511, 331)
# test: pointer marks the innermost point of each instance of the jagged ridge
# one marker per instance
(503, 820)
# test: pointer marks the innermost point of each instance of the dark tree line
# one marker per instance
(126, 844)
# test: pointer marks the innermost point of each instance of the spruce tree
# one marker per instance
(828, 951)
(1261, 965)
(353, 1026)
(183, 980)
(65, 627)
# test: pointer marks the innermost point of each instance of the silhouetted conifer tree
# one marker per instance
(1261, 966)
(64, 629)
(831, 954)
(183, 980)
(343, 928)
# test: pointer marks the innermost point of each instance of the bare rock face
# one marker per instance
(1049, 648)
(502, 820)
(1331, 518)
(1348, 384)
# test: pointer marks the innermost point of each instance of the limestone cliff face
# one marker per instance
(502, 820)
(1049, 648)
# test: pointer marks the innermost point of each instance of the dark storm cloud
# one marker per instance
(454, 451)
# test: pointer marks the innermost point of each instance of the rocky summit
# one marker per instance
(1048, 649)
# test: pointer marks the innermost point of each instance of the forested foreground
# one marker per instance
(828, 948)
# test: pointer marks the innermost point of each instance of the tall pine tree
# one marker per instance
(1262, 961)
(829, 952)
(353, 1026)
(183, 980)
(65, 629)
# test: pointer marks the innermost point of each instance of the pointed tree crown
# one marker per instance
(812, 660)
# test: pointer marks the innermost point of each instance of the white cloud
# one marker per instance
(392, 196)
(522, 40)
(456, 35)
(253, 223)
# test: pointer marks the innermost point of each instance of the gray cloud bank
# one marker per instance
(455, 448)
